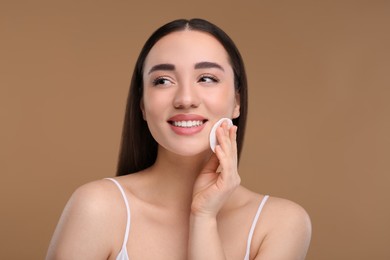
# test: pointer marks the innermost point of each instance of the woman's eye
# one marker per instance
(208, 79)
(161, 81)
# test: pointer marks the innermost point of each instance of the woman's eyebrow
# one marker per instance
(207, 65)
(164, 66)
(199, 65)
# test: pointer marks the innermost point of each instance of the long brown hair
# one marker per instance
(138, 148)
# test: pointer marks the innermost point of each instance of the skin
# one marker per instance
(189, 204)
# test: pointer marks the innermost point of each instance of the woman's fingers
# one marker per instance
(233, 138)
(224, 138)
(226, 151)
(212, 164)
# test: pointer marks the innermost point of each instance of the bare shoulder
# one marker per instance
(288, 230)
(277, 212)
(95, 190)
(93, 198)
(287, 212)
(85, 220)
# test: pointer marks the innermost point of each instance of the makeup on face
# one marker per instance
(213, 132)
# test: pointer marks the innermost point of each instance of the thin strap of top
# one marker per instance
(252, 230)
(128, 212)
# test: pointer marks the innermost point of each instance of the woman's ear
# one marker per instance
(236, 111)
(142, 107)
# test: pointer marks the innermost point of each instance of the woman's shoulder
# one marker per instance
(286, 215)
(94, 193)
(278, 208)
(91, 201)
(98, 195)
(86, 219)
(284, 207)
(284, 225)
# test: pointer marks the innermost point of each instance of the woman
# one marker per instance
(173, 197)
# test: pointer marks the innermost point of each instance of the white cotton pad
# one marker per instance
(213, 134)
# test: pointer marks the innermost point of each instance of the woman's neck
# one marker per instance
(172, 177)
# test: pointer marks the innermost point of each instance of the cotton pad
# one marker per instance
(213, 134)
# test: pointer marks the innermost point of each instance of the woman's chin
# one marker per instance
(188, 151)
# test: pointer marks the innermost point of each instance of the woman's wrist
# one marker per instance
(202, 218)
(204, 239)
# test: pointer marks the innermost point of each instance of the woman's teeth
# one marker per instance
(193, 123)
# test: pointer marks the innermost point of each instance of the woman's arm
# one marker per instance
(80, 233)
(289, 228)
(204, 241)
(211, 191)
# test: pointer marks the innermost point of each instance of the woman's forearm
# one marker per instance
(204, 240)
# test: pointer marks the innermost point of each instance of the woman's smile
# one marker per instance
(187, 124)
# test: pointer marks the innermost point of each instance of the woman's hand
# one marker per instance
(219, 178)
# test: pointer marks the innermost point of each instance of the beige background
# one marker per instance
(318, 129)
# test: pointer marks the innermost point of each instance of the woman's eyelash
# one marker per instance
(210, 77)
(204, 78)
(159, 81)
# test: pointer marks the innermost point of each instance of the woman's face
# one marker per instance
(188, 86)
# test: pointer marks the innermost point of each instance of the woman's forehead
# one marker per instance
(187, 47)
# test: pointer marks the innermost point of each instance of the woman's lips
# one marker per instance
(187, 124)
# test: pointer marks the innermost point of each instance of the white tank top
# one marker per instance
(123, 253)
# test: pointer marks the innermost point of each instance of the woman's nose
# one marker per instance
(186, 96)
